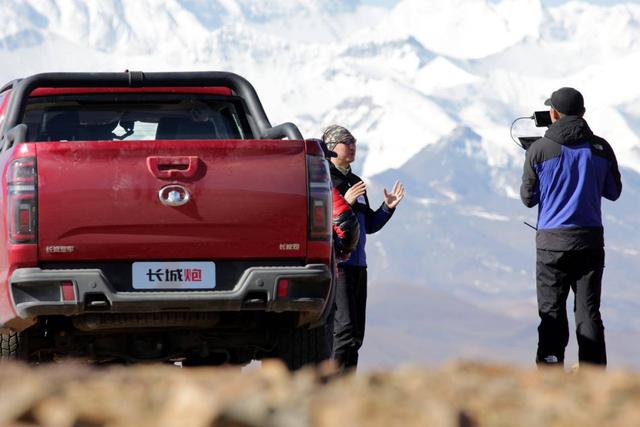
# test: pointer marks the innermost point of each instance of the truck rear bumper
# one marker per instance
(36, 292)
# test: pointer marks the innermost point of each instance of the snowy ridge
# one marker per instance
(427, 65)
(468, 28)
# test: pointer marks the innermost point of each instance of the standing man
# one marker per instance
(351, 292)
(566, 173)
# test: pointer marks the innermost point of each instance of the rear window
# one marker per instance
(141, 116)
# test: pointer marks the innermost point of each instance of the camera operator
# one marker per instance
(566, 173)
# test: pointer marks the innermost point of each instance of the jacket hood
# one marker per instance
(569, 130)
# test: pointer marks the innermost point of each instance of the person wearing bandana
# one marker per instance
(351, 291)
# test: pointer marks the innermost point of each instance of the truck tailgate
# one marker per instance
(100, 200)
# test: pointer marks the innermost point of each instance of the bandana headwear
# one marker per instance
(335, 134)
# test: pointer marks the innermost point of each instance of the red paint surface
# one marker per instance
(247, 198)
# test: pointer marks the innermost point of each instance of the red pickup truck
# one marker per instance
(159, 216)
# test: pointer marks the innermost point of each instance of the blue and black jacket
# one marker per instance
(369, 220)
(566, 173)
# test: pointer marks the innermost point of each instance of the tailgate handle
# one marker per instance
(173, 167)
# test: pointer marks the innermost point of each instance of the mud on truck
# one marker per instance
(159, 217)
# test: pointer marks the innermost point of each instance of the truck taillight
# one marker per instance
(320, 199)
(22, 209)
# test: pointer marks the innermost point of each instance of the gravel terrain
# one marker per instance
(455, 395)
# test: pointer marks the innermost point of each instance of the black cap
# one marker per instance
(566, 100)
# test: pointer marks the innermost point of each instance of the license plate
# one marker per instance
(174, 275)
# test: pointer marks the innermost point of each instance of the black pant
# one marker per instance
(350, 315)
(557, 272)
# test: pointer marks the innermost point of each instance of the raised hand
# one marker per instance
(354, 192)
(395, 196)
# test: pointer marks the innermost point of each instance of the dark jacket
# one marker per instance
(566, 173)
(370, 221)
(346, 229)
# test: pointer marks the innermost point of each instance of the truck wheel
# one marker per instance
(298, 347)
(13, 346)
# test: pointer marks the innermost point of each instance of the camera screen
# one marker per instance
(542, 118)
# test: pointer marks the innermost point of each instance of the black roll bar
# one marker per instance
(263, 129)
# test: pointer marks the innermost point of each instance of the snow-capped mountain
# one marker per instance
(430, 90)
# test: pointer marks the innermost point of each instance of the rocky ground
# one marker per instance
(456, 395)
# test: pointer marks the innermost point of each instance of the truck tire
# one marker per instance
(13, 346)
(298, 347)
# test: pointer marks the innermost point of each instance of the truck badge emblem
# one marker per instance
(173, 195)
(60, 249)
(289, 246)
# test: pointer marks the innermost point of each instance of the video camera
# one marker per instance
(541, 119)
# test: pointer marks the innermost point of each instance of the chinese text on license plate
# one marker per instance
(174, 275)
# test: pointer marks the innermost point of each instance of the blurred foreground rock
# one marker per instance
(459, 395)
